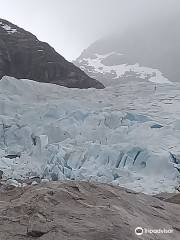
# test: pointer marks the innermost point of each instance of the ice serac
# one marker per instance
(111, 136)
(22, 55)
(145, 52)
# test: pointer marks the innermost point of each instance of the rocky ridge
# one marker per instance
(22, 55)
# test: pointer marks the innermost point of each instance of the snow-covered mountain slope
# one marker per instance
(147, 51)
(128, 134)
(110, 74)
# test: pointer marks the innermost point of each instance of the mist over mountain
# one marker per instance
(154, 45)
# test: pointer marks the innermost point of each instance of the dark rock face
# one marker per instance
(22, 55)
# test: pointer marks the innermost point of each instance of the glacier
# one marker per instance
(127, 134)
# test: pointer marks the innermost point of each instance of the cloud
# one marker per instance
(71, 25)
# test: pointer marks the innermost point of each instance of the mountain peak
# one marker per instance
(147, 52)
(22, 55)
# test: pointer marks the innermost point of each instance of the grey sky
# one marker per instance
(71, 25)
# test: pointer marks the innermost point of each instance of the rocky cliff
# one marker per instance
(22, 55)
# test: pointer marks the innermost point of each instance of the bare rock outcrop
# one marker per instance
(22, 55)
(84, 211)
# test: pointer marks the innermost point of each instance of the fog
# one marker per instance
(71, 25)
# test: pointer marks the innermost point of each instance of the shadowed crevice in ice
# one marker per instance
(56, 133)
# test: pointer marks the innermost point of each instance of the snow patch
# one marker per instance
(8, 28)
(118, 71)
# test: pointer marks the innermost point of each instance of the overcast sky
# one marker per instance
(71, 25)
